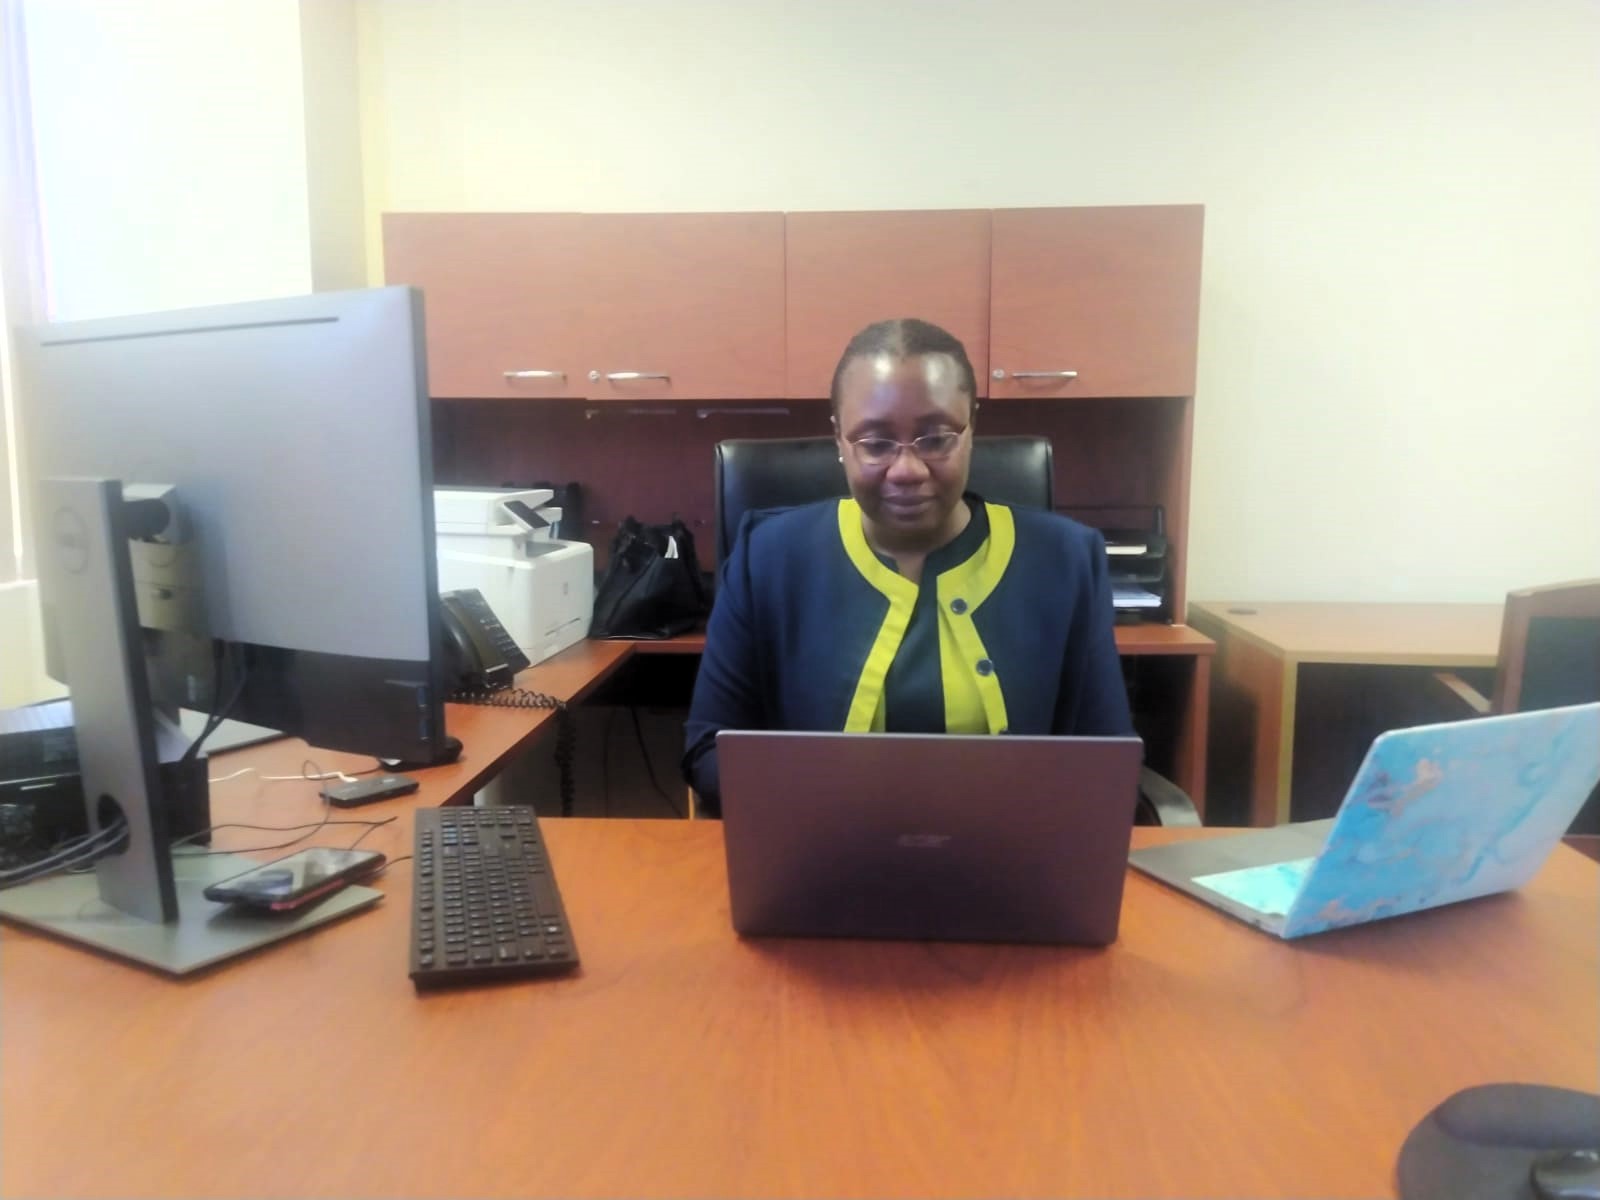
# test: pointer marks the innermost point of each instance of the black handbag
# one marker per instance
(652, 587)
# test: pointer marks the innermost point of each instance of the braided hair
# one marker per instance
(903, 338)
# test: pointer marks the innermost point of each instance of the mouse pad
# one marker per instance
(1485, 1143)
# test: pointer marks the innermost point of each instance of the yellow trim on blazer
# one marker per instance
(974, 702)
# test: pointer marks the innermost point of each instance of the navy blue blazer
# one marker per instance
(808, 619)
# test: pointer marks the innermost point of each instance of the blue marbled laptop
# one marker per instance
(1436, 814)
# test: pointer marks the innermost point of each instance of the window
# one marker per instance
(11, 566)
(21, 272)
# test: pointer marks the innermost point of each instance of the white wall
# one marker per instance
(332, 109)
(172, 152)
(1399, 389)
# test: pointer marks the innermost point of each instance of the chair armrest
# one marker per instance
(1463, 691)
(1164, 800)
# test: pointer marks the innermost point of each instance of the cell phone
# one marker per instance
(293, 882)
(366, 791)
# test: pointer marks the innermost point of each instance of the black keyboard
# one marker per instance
(485, 905)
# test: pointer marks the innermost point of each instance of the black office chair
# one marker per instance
(757, 473)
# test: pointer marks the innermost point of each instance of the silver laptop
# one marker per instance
(941, 837)
(1436, 814)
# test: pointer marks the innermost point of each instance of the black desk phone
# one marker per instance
(481, 664)
(480, 655)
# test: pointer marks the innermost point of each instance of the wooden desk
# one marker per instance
(490, 737)
(1195, 1057)
(1261, 648)
(684, 643)
(1178, 644)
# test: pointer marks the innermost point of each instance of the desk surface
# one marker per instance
(1426, 635)
(1194, 1057)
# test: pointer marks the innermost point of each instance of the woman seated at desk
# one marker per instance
(914, 606)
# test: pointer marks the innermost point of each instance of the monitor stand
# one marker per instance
(134, 905)
(204, 934)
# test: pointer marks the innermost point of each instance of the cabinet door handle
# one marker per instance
(536, 374)
(626, 376)
(1000, 373)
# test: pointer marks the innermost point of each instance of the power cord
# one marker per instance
(341, 776)
(387, 864)
(311, 771)
(219, 709)
(363, 837)
(605, 763)
(81, 851)
(649, 766)
(181, 850)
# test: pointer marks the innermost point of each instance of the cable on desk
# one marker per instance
(84, 851)
(312, 827)
(375, 825)
(341, 776)
(219, 709)
(566, 729)
(81, 851)
(387, 864)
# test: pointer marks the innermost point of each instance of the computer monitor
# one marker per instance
(234, 504)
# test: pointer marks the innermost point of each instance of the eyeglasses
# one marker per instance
(877, 452)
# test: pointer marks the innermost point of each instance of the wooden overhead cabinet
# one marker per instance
(1094, 301)
(500, 298)
(847, 270)
(684, 306)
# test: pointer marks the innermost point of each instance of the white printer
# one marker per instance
(500, 542)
